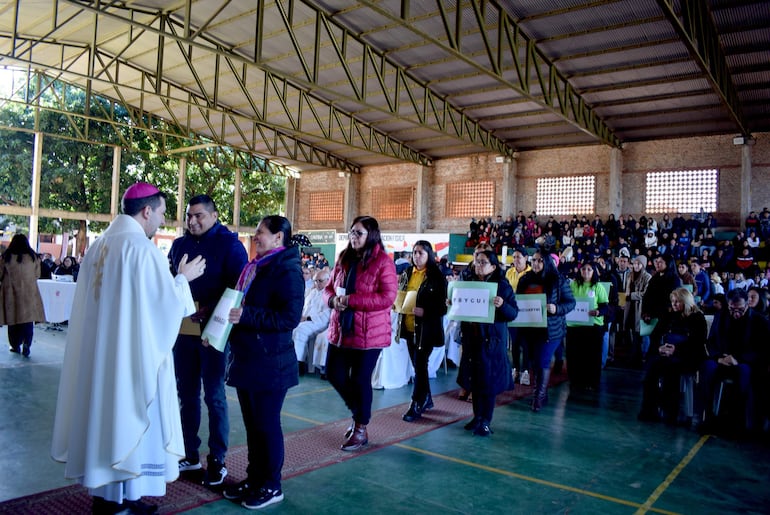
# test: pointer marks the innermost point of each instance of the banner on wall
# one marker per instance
(400, 242)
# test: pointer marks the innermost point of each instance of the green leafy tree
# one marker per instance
(76, 176)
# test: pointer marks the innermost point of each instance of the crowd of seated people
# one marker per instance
(720, 275)
(685, 239)
(314, 261)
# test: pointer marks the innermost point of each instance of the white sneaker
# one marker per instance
(525, 378)
(186, 465)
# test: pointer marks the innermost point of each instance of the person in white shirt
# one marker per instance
(315, 318)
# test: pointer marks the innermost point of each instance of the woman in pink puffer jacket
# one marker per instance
(361, 293)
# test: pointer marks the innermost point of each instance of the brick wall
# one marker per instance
(638, 160)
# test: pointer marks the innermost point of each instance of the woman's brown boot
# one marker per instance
(357, 439)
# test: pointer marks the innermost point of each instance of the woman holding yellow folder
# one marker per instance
(421, 322)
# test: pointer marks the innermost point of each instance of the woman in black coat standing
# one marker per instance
(263, 362)
(656, 303)
(424, 329)
(487, 344)
(545, 278)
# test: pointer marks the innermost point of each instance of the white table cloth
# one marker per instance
(57, 299)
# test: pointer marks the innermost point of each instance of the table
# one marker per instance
(58, 297)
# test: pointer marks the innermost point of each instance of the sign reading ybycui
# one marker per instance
(471, 301)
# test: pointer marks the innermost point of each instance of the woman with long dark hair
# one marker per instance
(424, 328)
(361, 293)
(632, 316)
(263, 363)
(68, 267)
(20, 302)
(487, 344)
(545, 278)
(584, 342)
(656, 303)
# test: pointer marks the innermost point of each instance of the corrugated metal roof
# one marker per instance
(381, 81)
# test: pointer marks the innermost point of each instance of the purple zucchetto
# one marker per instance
(140, 190)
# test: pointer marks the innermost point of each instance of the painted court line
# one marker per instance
(655, 495)
(532, 479)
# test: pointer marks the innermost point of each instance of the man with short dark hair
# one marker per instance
(734, 347)
(702, 283)
(195, 363)
(117, 424)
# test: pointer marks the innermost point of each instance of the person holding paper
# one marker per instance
(263, 365)
(545, 278)
(196, 364)
(655, 303)
(486, 344)
(117, 423)
(682, 349)
(632, 316)
(520, 352)
(421, 321)
(463, 379)
(584, 338)
(361, 293)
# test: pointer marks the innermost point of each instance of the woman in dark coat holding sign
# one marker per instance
(424, 329)
(263, 363)
(487, 344)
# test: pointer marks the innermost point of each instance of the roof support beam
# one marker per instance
(391, 80)
(170, 139)
(537, 78)
(170, 28)
(699, 34)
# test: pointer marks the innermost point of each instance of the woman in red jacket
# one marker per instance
(361, 293)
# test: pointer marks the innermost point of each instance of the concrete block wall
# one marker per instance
(638, 159)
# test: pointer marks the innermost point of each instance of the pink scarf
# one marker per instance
(250, 270)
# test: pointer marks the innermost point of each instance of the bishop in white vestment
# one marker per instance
(117, 424)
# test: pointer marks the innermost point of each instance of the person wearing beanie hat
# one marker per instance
(520, 356)
(640, 258)
(125, 318)
(632, 315)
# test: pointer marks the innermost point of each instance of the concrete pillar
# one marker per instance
(352, 198)
(238, 191)
(510, 187)
(290, 199)
(34, 219)
(615, 191)
(745, 180)
(181, 203)
(117, 153)
(422, 198)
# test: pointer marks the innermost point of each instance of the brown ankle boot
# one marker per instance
(358, 439)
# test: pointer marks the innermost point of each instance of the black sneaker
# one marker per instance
(215, 473)
(473, 424)
(263, 498)
(237, 492)
(186, 465)
(140, 508)
(482, 429)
